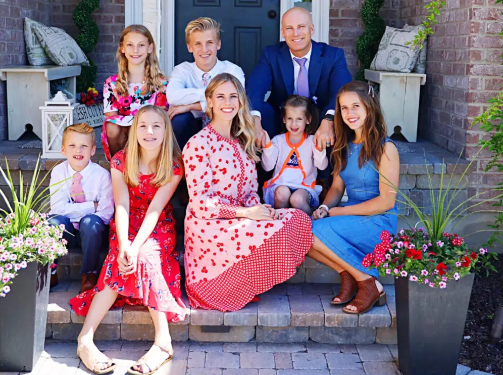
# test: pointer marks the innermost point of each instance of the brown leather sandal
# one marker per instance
(368, 295)
(349, 286)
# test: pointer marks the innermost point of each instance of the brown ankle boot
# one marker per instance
(348, 290)
(89, 281)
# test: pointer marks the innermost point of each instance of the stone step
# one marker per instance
(285, 314)
(311, 271)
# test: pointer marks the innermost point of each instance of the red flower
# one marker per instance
(457, 241)
(406, 244)
(466, 262)
(432, 253)
(161, 100)
(385, 235)
(441, 268)
(414, 254)
(367, 260)
(473, 255)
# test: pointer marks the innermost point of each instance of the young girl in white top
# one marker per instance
(295, 158)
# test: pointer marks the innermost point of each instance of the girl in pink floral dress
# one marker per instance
(235, 247)
(141, 267)
(139, 82)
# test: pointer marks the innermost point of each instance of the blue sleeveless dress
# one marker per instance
(353, 237)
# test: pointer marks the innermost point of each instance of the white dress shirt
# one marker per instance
(186, 83)
(96, 184)
(296, 70)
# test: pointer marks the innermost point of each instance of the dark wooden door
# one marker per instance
(247, 27)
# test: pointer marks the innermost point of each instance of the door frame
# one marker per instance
(166, 48)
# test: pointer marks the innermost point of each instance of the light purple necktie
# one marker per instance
(76, 192)
(206, 80)
(302, 79)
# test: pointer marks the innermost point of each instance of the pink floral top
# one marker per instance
(127, 106)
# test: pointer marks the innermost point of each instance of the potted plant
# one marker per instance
(433, 272)
(27, 244)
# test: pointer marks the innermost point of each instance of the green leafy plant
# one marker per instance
(368, 43)
(87, 40)
(433, 9)
(426, 252)
(25, 233)
(492, 123)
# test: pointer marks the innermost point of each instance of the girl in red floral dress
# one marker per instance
(141, 267)
(235, 247)
(139, 82)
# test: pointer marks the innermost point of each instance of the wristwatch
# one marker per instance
(329, 117)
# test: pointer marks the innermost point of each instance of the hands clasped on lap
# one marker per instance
(127, 260)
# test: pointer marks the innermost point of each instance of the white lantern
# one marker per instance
(57, 115)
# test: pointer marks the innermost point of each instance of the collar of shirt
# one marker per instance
(307, 56)
(83, 172)
(213, 72)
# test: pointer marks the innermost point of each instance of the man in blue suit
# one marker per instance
(297, 66)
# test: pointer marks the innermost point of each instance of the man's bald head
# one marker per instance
(297, 28)
(296, 13)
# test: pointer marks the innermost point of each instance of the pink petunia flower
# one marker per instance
(424, 273)
(403, 273)
(456, 276)
(413, 278)
(442, 285)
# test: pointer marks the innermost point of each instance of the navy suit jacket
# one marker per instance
(328, 72)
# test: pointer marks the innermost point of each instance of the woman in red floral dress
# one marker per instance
(235, 247)
(141, 267)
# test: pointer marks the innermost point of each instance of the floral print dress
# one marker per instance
(156, 283)
(127, 106)
(229, 260)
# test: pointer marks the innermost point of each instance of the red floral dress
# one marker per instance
(229, 260)
(127, 106)
(156, 283)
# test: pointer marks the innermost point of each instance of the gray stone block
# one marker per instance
(243, 371)
(378, 316)
(278, 289)
(294, 289)
(283, 361)
(391, 302)
(281, 348)
(394, 351)
(201, 317)
(407, 181)
(247, 316)
(422, 199)
(416, 164)
(348, 348)
(306, 311)
(309, 361)
(48, 330)
(347, 372)
(238, 347)
(207, 347)
(197, 359)
(386, 336)
(257, 360)
(61, 350)
(463, 370)
(339, 361)
(316, 289)
(378, 353)
(236, 334)
(476, 372)
(222, 360)
(434, 181)
(401, 205)
(179, 332)
(335, 317)
(302, 372)
(282, 334)
(58, 309)
(299, 277)
(113, 316)
(138, 332)
(204, 371)
(70, 331)
(324, 275)
(343, 335)
(273, 311)
(316, 347)
(380, 368)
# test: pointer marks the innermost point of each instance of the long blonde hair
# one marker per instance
(170, 151)
(154, 78)
(243, 125)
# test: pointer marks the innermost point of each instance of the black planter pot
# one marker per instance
(23, 318)
(430, 325)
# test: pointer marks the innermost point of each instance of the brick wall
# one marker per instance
(12, 47)
(59, 13)
(110, 20)
(346, 25)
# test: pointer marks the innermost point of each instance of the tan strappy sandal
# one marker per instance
(349, 286)
(92, 366)
(142, 362)
(368, 295)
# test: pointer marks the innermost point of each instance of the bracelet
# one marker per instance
(324, 206)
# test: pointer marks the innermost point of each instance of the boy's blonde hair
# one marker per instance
(201, 24)
(170, 151)
(81, 128)
(154, 77)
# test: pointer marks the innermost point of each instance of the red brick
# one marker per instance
(486, 14)
(472, 138)
(493, 83)
(475, 83)
(350, 13)
(334, 13)
(345, 23)
(486, 70)
(479, 41)
(494, 27)
(475, 55)
(493, 56)
(480, 96)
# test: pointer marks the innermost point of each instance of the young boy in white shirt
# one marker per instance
(188, 81)
(84, 201)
